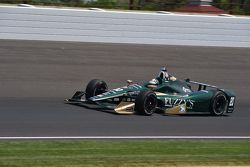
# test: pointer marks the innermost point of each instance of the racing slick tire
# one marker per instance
(146, 103)
(218, 104)
(95, 87)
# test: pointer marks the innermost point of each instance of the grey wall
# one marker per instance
(122, 27)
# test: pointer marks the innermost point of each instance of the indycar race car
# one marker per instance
(169, 95)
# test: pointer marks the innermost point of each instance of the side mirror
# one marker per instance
(187, 80)
(129, 82)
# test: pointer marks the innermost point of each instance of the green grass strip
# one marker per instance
(76, 153)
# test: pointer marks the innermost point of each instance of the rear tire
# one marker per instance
(95, 87)
(218, 104)
(146, 103)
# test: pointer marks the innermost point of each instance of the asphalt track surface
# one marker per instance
(36, 76)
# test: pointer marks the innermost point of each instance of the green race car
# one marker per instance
(168, 95)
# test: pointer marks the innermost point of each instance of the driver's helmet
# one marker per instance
(163, 69)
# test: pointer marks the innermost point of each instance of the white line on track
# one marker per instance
(126, 137)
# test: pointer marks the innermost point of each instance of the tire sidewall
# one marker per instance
(93, 87)
(216, 97)
(142, 100)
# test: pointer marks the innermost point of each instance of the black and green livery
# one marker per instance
(171, 96)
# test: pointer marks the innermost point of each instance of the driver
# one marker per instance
(162, 76)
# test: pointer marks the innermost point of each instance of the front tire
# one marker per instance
(218, 104)
(146, 103)
(95, 87)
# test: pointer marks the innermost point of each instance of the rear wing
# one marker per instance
(202, 86)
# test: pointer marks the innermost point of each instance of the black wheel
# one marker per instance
(218, 104)
(146, 103)
(95, 87)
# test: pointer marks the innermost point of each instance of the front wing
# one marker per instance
(78, 98)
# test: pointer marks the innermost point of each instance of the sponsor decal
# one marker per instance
(186, 90)
(169, 102)
(133, 93)
(116, 99)
(182, 109)
(114, 91)
(136, 86)
(231, 103)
